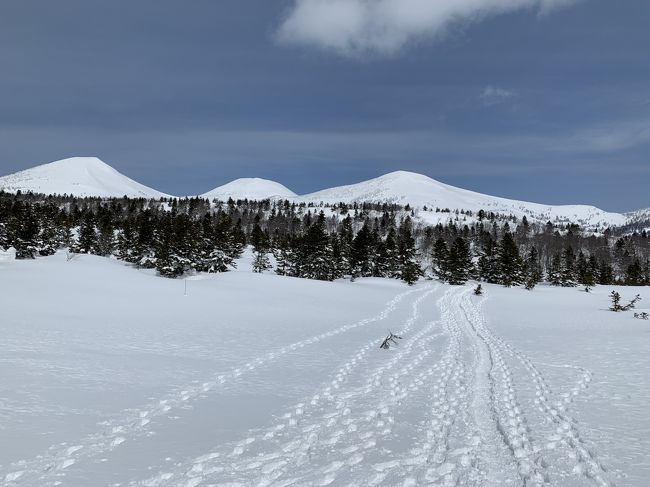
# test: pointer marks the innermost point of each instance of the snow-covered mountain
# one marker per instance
(89, 176)
(78, 176)
(402, 187)
(250, 188)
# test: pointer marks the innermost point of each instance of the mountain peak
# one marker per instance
(419, 191)
(78, 176)
(250, 188)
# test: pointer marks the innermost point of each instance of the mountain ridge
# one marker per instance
(89, 176)
(418, 190)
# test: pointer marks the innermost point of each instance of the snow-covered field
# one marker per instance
(112, 376)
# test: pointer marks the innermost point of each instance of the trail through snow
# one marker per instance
(454, 404)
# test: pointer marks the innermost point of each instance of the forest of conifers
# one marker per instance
(326, 242)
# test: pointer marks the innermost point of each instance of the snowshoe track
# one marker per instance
(453, 404)
(48, 469)
(325, 422)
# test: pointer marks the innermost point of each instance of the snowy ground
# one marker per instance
(112, 376)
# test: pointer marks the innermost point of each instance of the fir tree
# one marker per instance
(106, 237)
(408, 268)
(510, 266)
(584, 271)
(634, 274)
(362, 253)
(568, 270)
(23, 229)
(440, 259)
(87, 242)
(386, 264)
(259, 239)
(605, 273)
(126, 243)
(533, 269)
(261, 261)
(283, 256)
(555, 271)
(488, 259)
(459, 263)
(315, 252)
(4, 236)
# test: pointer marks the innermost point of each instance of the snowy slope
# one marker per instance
(89, 176)
(129, 380)
(639, 220)
(250, 188)
(78, 176)
(404, 187)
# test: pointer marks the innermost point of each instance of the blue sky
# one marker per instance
(541, 100)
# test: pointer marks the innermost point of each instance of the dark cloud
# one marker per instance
(187, 95)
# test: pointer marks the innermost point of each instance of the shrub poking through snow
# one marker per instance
(616, 302)
(641, 316)
(391, 338)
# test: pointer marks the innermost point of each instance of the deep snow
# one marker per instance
(89, 176)
(113, 376)
(403, 187)
(78, 176)
(250, 188)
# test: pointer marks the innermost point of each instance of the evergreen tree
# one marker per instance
(143, 251)
(4, 236)
(459, 263)
(533, 269)
(314, 256)
(488, 260)
(584, 271)
(510, 265)
(180, 235)
(568, 269)
(634, 274)
(346, 237)
(440, 259)
(385, 263)
(261, 261)
(555, 271)
(87, 242)
(340, 265)
(126, 243)
(106, 237)
(362, 253)
(605, 273)
(259, 239)
(408, 268)
(592, 269)
(169, 260)
(47, 241)
(283, 256)
(22, 230)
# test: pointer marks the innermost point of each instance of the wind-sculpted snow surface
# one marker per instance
(477, 392)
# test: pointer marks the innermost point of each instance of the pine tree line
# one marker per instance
(322, 241)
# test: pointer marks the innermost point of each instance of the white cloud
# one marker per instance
(357, 27)
(493, 95)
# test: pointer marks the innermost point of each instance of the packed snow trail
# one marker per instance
(443, 408)
(50, 467)
(285, 446)
(454, 404)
